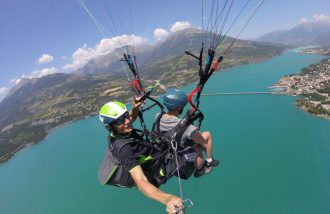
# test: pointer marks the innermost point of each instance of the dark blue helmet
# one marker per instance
(175, 99)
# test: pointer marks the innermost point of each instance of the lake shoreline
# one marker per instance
(310, 84)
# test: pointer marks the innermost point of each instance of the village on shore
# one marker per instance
(312, 85)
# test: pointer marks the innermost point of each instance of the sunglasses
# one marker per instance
(121, 119)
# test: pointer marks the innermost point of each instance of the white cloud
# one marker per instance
(321, 17)
(303, 20)
(180, 26)
(84, 54)
(161, 34)
(42, 72)
(3, 90)
(35, 74)
(45, 58)
(15, 81)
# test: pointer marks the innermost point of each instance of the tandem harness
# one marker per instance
(160, 164)
(172, 139)
(112, 172)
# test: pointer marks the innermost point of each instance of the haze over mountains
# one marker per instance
(306, 33)
(172, 48)
(155, 61)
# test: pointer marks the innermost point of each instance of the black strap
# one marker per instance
(177, 132)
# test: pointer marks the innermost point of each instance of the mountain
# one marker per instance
(38, 105)
(307, 33)
(35, 106)
(157, 62)
(111, 62)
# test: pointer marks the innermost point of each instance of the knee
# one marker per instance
(206, 134)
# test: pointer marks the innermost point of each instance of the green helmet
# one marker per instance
(111, 111)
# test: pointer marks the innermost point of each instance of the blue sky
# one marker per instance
(38, 37)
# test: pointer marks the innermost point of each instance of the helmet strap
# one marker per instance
(110, 128)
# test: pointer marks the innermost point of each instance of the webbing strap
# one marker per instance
(174, 145)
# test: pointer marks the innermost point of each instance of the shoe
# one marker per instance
(199, 172)
(213, 163)
(203, 171)
(206, 169)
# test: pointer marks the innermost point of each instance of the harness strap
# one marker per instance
(171, 138)
(137, 141)
(145, 131)
(175, 149)
(177, 132)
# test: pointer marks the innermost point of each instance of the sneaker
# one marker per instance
(206, 169)
(199, 172)
(213, 163)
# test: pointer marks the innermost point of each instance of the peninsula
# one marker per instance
(312, 85)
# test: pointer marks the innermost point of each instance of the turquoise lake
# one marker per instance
(274, 157)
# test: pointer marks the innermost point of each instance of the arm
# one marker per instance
(172, 202)
(136, 109)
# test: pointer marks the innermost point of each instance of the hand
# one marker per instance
(137, 102)
(173, 204)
